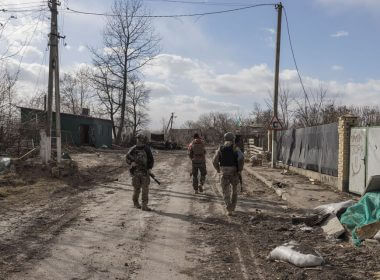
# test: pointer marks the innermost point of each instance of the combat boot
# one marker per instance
(146, 208)
(201, 188)
(137, 205)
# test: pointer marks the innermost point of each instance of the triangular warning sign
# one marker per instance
(275, 124)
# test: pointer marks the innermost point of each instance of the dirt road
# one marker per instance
(95, 233)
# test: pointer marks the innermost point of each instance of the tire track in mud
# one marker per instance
(105, 236)
(165, 255)
(225, 244)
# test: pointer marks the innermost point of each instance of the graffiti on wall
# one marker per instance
(357, 151)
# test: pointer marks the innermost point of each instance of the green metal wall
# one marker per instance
(70, 126)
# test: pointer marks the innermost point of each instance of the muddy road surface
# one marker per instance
(90, 230)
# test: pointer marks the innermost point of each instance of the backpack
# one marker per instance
(141, 157)
(198, 151)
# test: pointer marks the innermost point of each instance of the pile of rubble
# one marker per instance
(358, 222)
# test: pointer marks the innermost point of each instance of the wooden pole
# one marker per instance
(57, 107)
(276, 82)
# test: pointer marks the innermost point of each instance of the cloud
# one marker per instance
(186, 108)
(339, 34)
(252, 83)
(270, 40)
(350, 3)
(336, 68)
(81, 48)
(270, 30)
(158, 89)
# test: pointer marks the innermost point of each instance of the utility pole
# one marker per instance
(276, 81)
(53, 83)
(172, 119)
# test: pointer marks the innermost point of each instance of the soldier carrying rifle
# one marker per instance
(141, 159)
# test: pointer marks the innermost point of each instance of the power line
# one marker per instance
(36, 87)
(293, 55)
(172, 16)
(207, 3)
(25, 3)
(22, 10)
(27, 41)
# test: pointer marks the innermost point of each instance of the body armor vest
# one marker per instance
(228, 157)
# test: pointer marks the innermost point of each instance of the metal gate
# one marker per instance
(358, 158)
(364, 157)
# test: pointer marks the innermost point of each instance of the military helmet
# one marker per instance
(141, 137)
(229, 136)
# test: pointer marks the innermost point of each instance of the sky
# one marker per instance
(221, 62)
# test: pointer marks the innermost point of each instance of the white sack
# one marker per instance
(334, 208)
(292, 252)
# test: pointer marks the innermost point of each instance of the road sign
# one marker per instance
(275, 124)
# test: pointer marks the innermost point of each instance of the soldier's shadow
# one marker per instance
(193, 219)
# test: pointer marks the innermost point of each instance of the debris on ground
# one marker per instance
(65, 155)
(306, 229)
(314, 182)
(5, 163)
(366, 211)
(332, 227)
(377, 236)
(296, 254)
(280, 185)
(372, 243)
(310, 219)
(334, 208)
(368, 231)
(373, 184)
(287, 172)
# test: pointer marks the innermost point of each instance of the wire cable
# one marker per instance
(22, 11)
(25, 3)
(207, 3)
(36, 87)
(173, 16)
(293, 55)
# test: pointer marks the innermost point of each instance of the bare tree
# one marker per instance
(129, 43)
(261, 116)
(137, 100)
(310, 107)
(164, 124)
(107, 93)
(38, 100)
(7, 107)
(75, 91)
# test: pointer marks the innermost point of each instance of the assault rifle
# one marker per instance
(154, 178)
(132, 171)
(241, 182)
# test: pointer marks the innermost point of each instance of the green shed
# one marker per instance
(76, 129)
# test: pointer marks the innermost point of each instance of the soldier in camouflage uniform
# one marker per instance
(197, 154)
(141, 160)
(229, 160)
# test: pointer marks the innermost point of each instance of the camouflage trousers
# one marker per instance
(229, 184)
(140, 183)
(201, 168)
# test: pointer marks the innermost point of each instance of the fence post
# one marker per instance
(344, 132)
(43, 144)
(269, 141)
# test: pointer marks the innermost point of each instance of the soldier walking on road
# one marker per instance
(141, 160)
(197, 154)
(230, 161)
